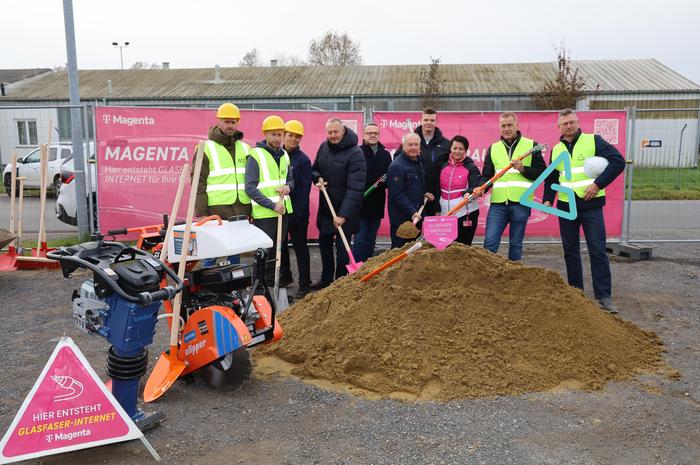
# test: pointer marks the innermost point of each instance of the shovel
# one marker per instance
(281, 299)
(408, 229)
(353, 266)
(169, 366)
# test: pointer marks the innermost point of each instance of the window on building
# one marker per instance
(65, 126)
(26, 130)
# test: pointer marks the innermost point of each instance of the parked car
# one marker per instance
(29, 168)
(66, 204)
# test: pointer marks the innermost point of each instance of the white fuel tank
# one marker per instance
(217, 239)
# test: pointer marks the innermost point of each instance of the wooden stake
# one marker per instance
(43, 168)
(19, 212)
(13, 193)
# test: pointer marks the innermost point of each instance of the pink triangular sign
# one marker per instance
(68, 409)
(440, 231)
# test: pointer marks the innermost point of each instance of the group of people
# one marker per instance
(428, 175)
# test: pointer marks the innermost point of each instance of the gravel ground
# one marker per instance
(651, 420)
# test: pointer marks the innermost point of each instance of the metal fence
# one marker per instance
(23, 129)
(662, 176)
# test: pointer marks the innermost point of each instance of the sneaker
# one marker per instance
(286, 280)
(318, 285)
(607, 305)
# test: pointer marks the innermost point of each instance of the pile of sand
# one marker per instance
(459, 323)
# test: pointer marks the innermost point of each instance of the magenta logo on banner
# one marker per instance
(67, 409)
(440, 231)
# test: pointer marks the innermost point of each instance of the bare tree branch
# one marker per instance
(564, 90)
(251, 58)
(334, 49)
(431, 84)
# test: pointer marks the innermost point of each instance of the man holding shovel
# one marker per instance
(341, 164)
(407, 187)
(268, 182)
(378, 160)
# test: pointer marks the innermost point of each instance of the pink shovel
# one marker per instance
(353, 266)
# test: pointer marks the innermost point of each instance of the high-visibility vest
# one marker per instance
(512, 185)
(584, 148)
(226, 180)
(272, 177)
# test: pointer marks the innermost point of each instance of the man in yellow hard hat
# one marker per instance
(269, 181)
(221, 189)
(299, 220)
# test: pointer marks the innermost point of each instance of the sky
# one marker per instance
(201, 34)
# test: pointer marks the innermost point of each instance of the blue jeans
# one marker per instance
(593, 225)
(365, 239)
(500, 215)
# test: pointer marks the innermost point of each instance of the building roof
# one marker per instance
(13, 75)
(607, 76)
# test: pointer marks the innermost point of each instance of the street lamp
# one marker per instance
(121, 51)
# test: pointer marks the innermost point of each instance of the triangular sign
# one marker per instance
(68, 409)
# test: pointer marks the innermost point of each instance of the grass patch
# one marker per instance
(62, 242)
(666, 184)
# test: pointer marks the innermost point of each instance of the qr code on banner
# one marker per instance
(607, 129)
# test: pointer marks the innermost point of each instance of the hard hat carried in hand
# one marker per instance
(272, 123)
(228, 110)
(294, 126)
(593, 166)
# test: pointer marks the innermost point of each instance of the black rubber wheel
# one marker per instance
(56, 186)
(8, 185)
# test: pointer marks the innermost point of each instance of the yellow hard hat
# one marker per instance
(228, 110)
(273, 123)
(294, 126)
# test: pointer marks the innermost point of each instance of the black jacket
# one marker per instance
(377, 165)
(531, 172)
(616, 165)
(343, 167)
(406, 183)
(432, 156)
(301, 170)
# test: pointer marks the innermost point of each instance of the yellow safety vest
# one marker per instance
(226, 180)
(584, 148)
(271, 178)
(512, 185)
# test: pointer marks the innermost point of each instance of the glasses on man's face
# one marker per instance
(371, 134)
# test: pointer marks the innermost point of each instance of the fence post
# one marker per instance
(678, 165)
(631, 151)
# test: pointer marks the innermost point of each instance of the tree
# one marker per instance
(430, 84)
(252, 58)
(144, 65)
(564, 90)
(334, 49)
(289, 60)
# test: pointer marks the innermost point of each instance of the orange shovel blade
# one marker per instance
(164, 374)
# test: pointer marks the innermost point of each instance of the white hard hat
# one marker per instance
(593, 166)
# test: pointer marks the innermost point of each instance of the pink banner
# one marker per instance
(482, 130)
(142, 150)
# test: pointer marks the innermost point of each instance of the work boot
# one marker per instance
(607, 305)
(286, 280)
(301, 292)
(318, 285)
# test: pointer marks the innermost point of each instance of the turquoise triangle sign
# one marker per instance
(564, 158)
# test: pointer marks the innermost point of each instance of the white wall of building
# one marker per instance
(9, 136)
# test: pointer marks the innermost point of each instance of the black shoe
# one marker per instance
(301, 293)
(318, 285)
(286, 280)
